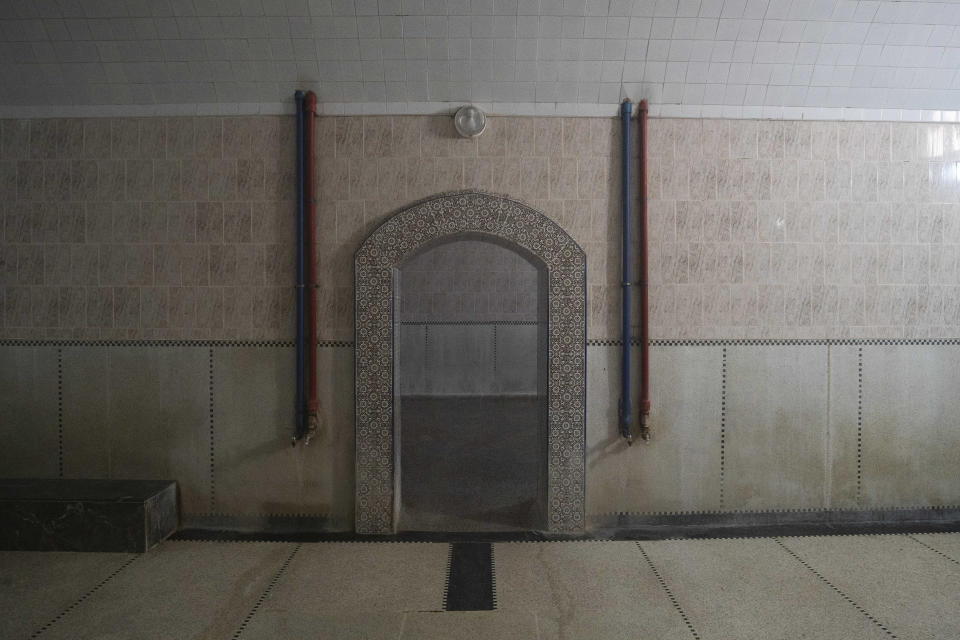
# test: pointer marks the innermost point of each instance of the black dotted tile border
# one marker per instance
(213, 484)
(81, 599)
(266, 593)
(723, 422)
(170, 343)
(836, 589)
(60, 412)
(593, 342)
(336, 344)
(936, 551)
(787, 342)
(669, 593)
(470, 323)
(859, 424)
(706, 512)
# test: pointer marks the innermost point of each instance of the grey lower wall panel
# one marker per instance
(256, 469)
(844, 404)
(799, 429)
(776, 435)
(911, 425)
(679, 469)
(138, 413)
(28, 412)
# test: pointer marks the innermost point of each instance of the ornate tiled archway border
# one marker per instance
(380, 254)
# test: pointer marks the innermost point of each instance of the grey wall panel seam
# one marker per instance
(60, 412)
(723, 422)
(213, 486)
(859, 425)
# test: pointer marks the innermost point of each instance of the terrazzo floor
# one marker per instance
(843, 587)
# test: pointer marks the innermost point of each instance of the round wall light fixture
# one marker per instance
(469, 121)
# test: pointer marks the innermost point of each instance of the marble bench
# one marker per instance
(86, 515)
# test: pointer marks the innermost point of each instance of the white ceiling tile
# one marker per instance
(574, 7)
(550, 26)
(807, 53)
(733, 94)
(661, 28)
(749, 29)
(570, 49)
(727, 29)
(596, 8)
(900, 55)
(706, 29)
(505, 7)
(733, 8)
(722, 51)
(592, 49)
(684, 28)
(701, 50)
(658, 49)
(506, 27)
(637, 50)
(479, 7)
(572, 27)
(711, 8)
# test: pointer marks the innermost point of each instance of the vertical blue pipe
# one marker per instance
(625, 110)
(299, 97)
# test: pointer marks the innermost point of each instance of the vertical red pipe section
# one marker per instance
(644, 309)
(309, 196)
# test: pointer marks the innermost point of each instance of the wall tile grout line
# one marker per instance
(666, 589)
(723, 422)
(266, 593)
(82, 598)
(591, 342)
(213, 487)
(843, 595)
(60, 412)
(936, 551)
(859, 424)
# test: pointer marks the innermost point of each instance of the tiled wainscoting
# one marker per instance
(216, 417)
(737, 425)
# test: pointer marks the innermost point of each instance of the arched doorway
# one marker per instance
(470, 345)
(377, 261)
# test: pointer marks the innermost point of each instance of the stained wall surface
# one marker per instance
(804, 294)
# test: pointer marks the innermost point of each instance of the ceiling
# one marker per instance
(688, 57)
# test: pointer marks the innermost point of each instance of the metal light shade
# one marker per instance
(469, 121)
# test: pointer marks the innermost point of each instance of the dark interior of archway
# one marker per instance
(471, 385)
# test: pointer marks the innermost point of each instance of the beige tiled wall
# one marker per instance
(149, 228)
(183, 227)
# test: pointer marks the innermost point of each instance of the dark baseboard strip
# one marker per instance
(470, 578)
(622, 526)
